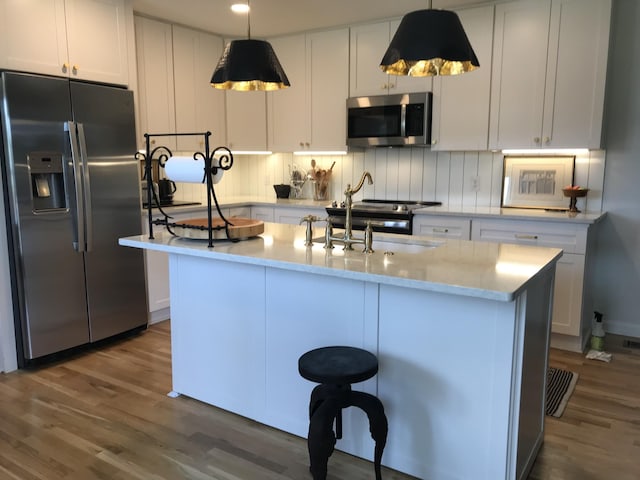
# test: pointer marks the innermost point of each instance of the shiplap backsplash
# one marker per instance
(457, 179)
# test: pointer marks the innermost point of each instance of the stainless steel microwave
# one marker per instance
(389, 120)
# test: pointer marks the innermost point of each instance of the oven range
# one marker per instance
(389, 216)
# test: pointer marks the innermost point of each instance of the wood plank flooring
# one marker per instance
(105, 415)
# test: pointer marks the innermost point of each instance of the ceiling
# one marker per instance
(277, 17)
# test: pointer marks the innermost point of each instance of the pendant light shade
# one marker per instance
(428, 43)
(249, 65)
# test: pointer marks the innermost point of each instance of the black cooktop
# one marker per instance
(398, 207)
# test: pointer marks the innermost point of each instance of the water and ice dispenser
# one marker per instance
(46, 172)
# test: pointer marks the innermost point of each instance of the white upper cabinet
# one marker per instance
(461, 102)
(549, 69)
(288, 109)
(328, 61)
(154, 52)
(97, 40)
(368, 45)
(198, 106)
(576, 73)
(310, 115)
(519, 72)
(175, 95)
(246, 121)
(80, 39)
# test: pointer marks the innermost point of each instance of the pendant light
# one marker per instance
(249, 65)
(428, 43)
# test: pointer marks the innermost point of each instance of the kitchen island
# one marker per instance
(461, 330)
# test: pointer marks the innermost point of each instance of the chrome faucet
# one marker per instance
(348, 239)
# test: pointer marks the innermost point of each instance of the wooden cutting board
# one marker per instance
(241, 229)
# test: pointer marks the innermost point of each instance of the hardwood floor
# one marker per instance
(105, 415)
(598, 436)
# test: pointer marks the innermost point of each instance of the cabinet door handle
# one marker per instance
(536, 140)
(440, 230)
(547, 140)
(522, 236)
(75, 68)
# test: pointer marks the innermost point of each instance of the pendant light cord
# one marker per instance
(248, 20)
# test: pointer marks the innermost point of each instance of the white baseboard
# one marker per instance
(622, 328)
(159, 315)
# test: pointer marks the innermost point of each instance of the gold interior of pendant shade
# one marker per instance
(425, 68)
(428, 43)
(251, 85)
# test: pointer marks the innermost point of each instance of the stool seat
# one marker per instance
(338, 365)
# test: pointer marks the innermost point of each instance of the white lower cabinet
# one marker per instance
(262, 213)
(568, 294)
(444, 227)
(572, 305)
(157, 271)
(294, 216)
(157, 264)
(571, 311)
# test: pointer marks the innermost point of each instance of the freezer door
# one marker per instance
(47, 272)
(116, 290)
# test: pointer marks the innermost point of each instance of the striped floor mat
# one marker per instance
(560, 385)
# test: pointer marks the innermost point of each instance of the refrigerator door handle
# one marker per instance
(79, 243)
(86, 188)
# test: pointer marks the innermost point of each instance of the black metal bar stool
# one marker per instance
(336, 368)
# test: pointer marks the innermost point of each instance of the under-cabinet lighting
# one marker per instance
(239, 8)
(545, 151)
(251, 152)
(320, 153)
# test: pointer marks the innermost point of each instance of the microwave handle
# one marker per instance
(403, 120)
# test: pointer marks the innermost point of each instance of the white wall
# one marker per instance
(618, 261)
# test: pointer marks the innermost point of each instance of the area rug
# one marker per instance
(560, 385)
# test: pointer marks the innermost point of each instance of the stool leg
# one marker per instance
(321, 438)
(378, 425)
(323, 391)
(318, 394)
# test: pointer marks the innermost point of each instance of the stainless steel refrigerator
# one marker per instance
(71, 190)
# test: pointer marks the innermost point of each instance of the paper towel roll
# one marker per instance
(188, 170)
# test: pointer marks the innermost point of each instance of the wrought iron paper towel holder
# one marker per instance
(225, 162)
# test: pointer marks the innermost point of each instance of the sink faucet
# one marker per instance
(348, 239)
(348, 202)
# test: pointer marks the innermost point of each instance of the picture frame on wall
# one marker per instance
(536, 182)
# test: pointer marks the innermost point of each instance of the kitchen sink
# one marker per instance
(404, 244)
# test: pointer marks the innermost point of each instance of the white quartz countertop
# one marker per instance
(473, 212)
(478, 269)
(531, 214)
